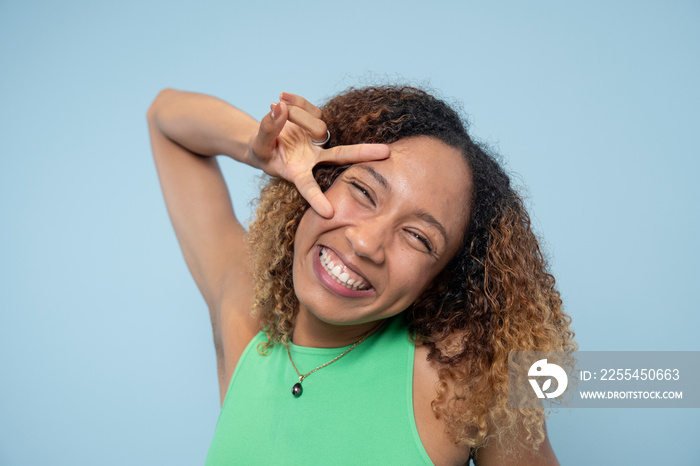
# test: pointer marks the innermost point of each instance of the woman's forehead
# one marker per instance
(424, 174)
(421, 163)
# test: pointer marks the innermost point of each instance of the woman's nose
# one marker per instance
(368, 239)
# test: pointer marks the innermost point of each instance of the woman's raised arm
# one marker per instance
(185, 130)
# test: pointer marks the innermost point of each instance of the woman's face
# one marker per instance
(397, 223)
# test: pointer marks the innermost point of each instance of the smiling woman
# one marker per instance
(389, 271)
(397, 223)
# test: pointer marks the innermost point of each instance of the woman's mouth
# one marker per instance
(342, 275)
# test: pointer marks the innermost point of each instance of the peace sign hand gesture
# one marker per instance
(284, 147)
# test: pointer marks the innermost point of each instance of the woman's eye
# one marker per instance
(423, 240)
(363, 191)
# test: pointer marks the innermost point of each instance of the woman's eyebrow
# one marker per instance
(427, 218)
(376, 175)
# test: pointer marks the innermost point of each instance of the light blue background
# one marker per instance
(106, 355)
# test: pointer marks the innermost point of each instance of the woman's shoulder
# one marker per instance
(432, 428)
(430, 391)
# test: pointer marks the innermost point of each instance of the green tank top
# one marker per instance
(358, 410)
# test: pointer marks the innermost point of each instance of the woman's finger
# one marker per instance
(306, 115)
(270, 127)
(298, 101)
(315, 127)
(356, 153)
(309, 189)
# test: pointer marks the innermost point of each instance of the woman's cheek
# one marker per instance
(345, 207)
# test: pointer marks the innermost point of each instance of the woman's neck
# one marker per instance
(312, 332)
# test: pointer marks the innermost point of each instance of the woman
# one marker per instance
(383, 220)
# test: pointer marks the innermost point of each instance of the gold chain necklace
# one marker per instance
(297, 388)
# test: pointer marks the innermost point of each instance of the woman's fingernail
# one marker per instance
(286, 97)
(274, 113)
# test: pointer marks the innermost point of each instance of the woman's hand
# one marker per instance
(284, 148)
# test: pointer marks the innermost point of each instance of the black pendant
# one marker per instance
(296, 390)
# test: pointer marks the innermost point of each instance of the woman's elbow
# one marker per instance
(163, 96)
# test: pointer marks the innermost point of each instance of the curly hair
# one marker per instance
(493, 297)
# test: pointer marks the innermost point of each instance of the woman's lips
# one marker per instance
(337, 276)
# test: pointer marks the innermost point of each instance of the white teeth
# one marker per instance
(338, 273)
